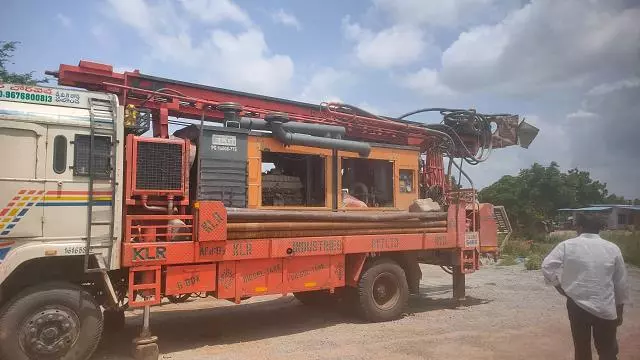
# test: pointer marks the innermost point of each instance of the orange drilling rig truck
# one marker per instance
(122, 189)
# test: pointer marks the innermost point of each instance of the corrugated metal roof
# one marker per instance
(620, 206)
(590, 208)
(617, 205)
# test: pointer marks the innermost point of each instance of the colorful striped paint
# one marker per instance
(20, 205)
(5, 247)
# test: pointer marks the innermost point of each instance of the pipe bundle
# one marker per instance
(256, 224)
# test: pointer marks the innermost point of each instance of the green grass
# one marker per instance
(517, 248)
(628, 242)
(535, 251)
(533, 262)
(507, 260)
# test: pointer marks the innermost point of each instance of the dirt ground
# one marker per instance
(509, 314)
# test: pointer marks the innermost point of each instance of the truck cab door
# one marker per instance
(23, 149)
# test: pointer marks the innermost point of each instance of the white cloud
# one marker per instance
(325, 84)
(449, 13)
(239, 60)
(394, 46)
(64, 20)
(606, 88)
(369, 108)
(607, 144)
(546, 44)
(102, 35)
(215, 11)
(581, 114)
(285, 18)
(427, 82)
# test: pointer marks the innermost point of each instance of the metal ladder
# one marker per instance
(504, 226)
(103, 109)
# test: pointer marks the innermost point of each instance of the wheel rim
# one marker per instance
(49, 332)
(385, 290)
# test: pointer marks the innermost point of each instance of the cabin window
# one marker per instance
(405, 181)
(293, 179)
(369, 180)
(59, 154)
(101, 166)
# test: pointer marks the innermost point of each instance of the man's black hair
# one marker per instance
(589, 223)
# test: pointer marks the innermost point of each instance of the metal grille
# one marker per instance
(101, 167)
(159, 166)
(224, 181)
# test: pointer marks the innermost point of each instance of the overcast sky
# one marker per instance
(571, 67)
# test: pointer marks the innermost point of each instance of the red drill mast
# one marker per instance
(166, 97)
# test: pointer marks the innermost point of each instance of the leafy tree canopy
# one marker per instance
(537, 193)
(6, 53)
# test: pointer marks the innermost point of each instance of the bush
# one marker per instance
(541, 249)
(559, 236)
(507, 261)
(535, 252)
(517, 248)
(533, 262)
(628, 242)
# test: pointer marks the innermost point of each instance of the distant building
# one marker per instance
(619, 217)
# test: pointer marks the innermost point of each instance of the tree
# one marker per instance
(615, 199)
(6, 53)
(586, 190)
(535, 195)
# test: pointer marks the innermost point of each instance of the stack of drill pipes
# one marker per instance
(280, 226)
(235, 215)
(323, 233)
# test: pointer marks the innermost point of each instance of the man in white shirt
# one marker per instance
(590, 272)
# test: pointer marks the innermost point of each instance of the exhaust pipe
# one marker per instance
(289, 138)
(296, 127)
(313, 135)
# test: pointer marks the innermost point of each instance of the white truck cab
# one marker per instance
(59, 219)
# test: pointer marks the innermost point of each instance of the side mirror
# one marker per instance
(526, 133)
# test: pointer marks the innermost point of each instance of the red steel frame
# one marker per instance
(257, 266)
(188, 100)
(130, 171)
(265, 266)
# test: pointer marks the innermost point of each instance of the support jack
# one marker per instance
(145, 346)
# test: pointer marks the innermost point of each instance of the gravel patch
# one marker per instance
(509, 314)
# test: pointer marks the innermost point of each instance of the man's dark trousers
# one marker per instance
(604, 333)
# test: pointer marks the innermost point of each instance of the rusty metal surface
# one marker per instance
(186, 279)
(383, 243)
(304, 274)
(307, 246)
(157, 253)
(144, 284)
(211, 219)
(313, 233)
(246, 215)
(258, 277)
(281, 226)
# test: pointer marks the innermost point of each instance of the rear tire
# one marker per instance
(383, 292)
(54, 320)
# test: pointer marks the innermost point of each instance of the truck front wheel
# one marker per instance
(383, 292)
(55, 320)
